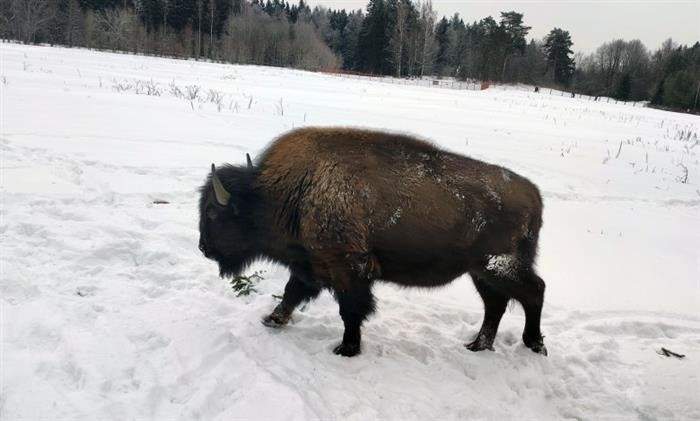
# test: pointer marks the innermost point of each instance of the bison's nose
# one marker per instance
(202, 247)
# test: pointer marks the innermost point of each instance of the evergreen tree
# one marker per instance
(478, 49)
(680, 90)
(515, 32)
(678, 76)
(443, 45)
(372, 41)
(530, 66)
(557, 48)
(456, 53)
(624, 88)
(352, 35)
(492, 46)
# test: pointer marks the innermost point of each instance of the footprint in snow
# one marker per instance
(85, 291)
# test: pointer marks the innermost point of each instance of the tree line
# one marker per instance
(403, 38)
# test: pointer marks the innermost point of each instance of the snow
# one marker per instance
(109, 311)
(503, 264)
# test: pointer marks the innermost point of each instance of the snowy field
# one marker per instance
(109, 311)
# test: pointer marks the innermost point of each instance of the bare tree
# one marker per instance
(428, 16)
(91, 29)
(397, 41)
(31, 16)
(73, 23)
(115, 26)
(610, 57)
(212, 4)
(8, 18)
(166, 7)
(199, 28)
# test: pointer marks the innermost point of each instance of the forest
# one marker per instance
(401, 38)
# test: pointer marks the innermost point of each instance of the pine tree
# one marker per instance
(457, 47)
(371, 53)
(352, 36)
(529, 67)
(515, 32)
(557, 48)
(680, 90)
(624, 87)
(443, 44)
(479, 50)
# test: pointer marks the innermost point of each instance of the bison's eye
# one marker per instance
(212, 213)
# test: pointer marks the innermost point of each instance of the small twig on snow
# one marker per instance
(667, 353)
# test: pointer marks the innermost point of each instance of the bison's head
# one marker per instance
(226, 226)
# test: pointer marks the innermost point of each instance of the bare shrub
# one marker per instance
(152, 88)
(216, 98)
(683, 178)
(192, 94)
(280, 107)
(175, 90)
(122, 86)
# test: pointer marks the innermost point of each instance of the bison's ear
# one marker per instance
(222, 196)
(249, 161)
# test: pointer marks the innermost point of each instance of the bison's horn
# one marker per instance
(249, 161)
(222, 196)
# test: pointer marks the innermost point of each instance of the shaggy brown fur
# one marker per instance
(345, 207)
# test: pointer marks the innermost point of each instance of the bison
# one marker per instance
(342, 208)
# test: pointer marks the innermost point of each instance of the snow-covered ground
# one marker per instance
(109, 311)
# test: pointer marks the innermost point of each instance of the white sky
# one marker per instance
(590, 22)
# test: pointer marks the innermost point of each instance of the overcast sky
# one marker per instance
(590, 22)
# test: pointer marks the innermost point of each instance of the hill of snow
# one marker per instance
(109, 311)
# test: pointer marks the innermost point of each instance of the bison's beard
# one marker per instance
(230, 267)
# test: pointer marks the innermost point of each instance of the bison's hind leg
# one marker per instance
(532, 299)
(295, 292)
(356, 303)
(504, 277)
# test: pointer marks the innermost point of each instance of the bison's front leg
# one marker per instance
(494, 306)
(356, 304)
(295, 293)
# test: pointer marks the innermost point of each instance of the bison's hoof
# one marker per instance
(539, 349)
(479, 345)
(275, 320)
(536, 345)
(347, 350)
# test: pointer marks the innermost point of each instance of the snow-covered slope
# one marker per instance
(110, 312)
